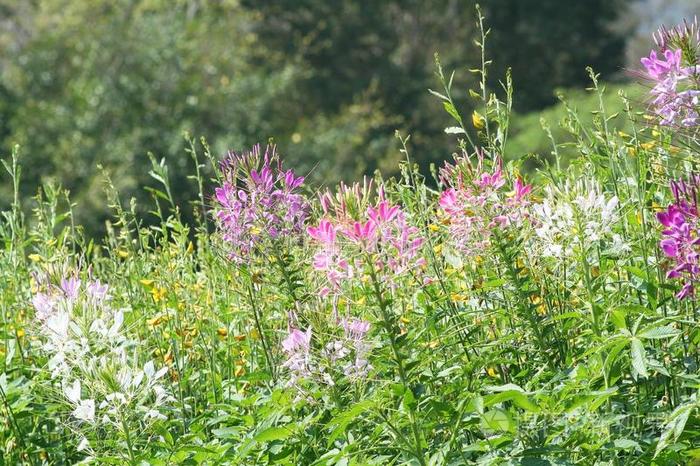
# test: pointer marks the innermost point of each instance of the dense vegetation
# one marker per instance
(485, 316)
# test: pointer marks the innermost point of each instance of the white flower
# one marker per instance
(85, 411)
(57, 326)
(150, 371)
(72, 392)
(84, 444)
(573, 218)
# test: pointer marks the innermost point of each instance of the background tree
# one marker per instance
(87, 82)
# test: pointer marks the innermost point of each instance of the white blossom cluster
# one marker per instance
(93, 360)
(575, 219)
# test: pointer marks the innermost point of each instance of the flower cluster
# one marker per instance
(350, 353)
(574, 219)
(91, 357)
(674, 72)
(356, 232)
(258, 201)
(476, 202)
(297, 349)
(681, 234)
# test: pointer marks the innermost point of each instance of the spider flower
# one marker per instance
(355, 230)
(673, 73)
(573, 219)
(257, 202)
(86, 344)
(476, 202)
(297, 348)
(681, 234)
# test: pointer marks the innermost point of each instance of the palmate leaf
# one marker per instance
(341, 421)
(676, 424)
(639, 360)
(654, 333)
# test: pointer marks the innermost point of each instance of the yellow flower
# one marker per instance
(122, 253)
(433, 227)
(35, 257)
(648, 145)
(158, 294)
(491, 372)
(239, 337)
(20, 333)
(157, 320)
(222, 331)
(478, 120)
(146, 282)
(542, 310)
(239, 372)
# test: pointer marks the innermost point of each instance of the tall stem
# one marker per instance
(388, 325)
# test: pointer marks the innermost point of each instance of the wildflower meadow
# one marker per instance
(469, 313)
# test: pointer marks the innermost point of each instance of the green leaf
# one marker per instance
(273, 433)
(517, 397)
(639, 359)
(675, 426)
(655, 333)
(619, 318)
(498, 420)
(226, 432)
(449, 108)
(340, 422)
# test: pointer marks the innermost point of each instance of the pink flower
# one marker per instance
(361, 232)
(379, 230)
(475, 203)
(297, 347)
(324, 233)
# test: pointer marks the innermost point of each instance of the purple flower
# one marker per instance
(681, 234)
(297, 348)
(675, 97)
(71, 287)
(97, 290)
(257, 202)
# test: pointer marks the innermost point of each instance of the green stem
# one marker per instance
(388, 326)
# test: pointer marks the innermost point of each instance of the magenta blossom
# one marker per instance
(475, 202)
(348, 237)
(258, 202)
(675, 97)
(681, 234)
